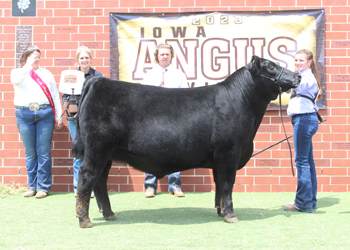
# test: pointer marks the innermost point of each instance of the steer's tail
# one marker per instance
(78, 147)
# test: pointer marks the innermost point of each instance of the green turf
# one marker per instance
(167, 222)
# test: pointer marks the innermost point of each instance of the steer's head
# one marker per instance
(269, 71)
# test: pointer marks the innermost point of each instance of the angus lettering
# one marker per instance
(215, 58)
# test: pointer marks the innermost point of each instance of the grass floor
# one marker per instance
(167, 222)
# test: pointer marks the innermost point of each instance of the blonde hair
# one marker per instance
(29, 50)
(310, 56)
(163, 46)
(80, 50)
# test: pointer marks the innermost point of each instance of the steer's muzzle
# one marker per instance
(296, 80)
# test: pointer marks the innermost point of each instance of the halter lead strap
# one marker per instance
(276, 80)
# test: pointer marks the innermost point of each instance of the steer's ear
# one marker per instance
(254, 65)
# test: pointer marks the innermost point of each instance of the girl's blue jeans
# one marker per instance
(305, 126)
(76, 162)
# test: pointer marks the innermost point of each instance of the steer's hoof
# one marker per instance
(219, 212)
(86, 224)
(233, 219)
(111, 217)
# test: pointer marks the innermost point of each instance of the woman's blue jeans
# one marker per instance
(36, 129)
(76, 162)
(305, 126)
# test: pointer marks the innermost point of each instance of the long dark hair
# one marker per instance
(310, 56)
(29, 50)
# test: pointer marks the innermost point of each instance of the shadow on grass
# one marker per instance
(60, 194)
(327, 201)
(322, 203)
(195, 215)
(174, 216)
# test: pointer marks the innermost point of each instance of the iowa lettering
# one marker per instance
(177, 31)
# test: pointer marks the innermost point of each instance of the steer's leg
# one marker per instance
(90, 170)
(101, 193)
(226, 171)
(98, 193)
(83, 198)
(218, 202)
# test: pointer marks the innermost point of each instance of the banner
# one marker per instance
(209, 46)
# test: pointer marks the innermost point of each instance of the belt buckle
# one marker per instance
(34, 106)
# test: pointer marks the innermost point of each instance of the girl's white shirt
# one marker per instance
(307, 87)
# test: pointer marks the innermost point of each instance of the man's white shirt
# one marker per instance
(173, 77)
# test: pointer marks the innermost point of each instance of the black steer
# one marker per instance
(161, 131)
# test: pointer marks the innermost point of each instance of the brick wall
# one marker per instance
(61, 26)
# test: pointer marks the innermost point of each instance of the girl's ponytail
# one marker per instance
(310, 56)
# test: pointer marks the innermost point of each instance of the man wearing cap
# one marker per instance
(164, 74)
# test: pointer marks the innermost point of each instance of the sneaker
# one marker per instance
(29, 193)
(150, 193)
(41, 194)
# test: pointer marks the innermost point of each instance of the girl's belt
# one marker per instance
(33, 106)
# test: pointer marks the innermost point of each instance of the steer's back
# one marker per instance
(146, 126)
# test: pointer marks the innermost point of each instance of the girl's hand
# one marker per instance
(34, 60)
(58, 124)
(31, 60)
